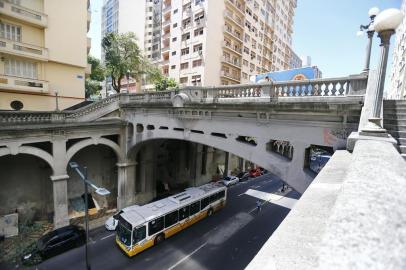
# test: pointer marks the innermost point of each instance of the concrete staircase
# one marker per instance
(394, 120)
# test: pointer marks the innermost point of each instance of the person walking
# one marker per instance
(258, 205)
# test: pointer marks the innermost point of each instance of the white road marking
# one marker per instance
(185, 258)
(240, 194)
(110, 235)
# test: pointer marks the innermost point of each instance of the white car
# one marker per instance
(112, 222)
(230, 180)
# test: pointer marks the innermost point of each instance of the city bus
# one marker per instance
(141, 227)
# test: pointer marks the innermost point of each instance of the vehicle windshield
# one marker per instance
(124, 231)
(227, 178)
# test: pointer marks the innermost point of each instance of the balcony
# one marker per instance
(230, 76)
(165, 49)
(234, 49)
(24, 50)
(229, 61)
(23, 14)
(236, 20)
(88, 69)
(89, 44)
(23, 84)
(166, 9)
(166, 22)
(236, 5)
(89, 19)
(166, 35)
(231, 33)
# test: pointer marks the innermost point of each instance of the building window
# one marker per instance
(197, 63)
(173, 66)
(185, 36)
(244, 75)
(183, 80)
(186, 23)
(175, 11)
(245, 63)
(16, 105)
(10, 31)
(184, 65)
(198, 48)
(174, 39)
(199, 31)
(18, 68)
(246, 50)
(174, 53)
(198, 2)
(199, 17)
(175, 25)
(196, 80)
(184, 51)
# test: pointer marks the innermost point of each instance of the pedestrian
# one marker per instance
(258, 205)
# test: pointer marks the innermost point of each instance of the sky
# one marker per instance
(325, 30)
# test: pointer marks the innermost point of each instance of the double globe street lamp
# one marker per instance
(99, 190)
(372, 13)
(384, 24)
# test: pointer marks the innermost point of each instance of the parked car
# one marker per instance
(54, 243)
(230, 180)
(255, 172)
(243, 176)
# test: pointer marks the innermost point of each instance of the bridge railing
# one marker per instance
(354, 85)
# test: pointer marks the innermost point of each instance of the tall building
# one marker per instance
(306, 61)
(43, 53)
(397, 89)
(295, 61)
(213, 42)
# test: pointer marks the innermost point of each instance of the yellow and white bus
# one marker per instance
(141, 227)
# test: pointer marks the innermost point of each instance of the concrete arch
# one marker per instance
(29, 150)
(94, 141)
(257, 154)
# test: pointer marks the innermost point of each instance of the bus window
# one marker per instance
(194, 208)
(171, 219)
(155, 225)
(183, 213)
(213, 198)
(221, 194)
(139, 234)
(205, 202)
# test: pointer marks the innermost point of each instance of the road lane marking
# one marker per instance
(185, 258)
(240, 194)
(110, 235)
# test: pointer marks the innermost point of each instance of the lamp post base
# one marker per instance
(373, 128)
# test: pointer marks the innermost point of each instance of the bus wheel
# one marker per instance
(210, 212)
(159, 239)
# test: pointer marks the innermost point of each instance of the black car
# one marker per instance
(243, 176)
(56, 242)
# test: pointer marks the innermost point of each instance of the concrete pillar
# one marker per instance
(226, 164)
(147, 170)
(126, 184)
(60, 193)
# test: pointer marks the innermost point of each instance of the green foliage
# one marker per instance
(123, 55)
(92, 83)
(164, 83)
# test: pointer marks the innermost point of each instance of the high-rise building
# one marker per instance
(43, 53)
(397, 89)
(295, 61)
(213, 42)
(306, 61)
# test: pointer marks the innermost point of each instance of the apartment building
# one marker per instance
(397, 89)
(295, 61)
(207, 42)
(43, 53)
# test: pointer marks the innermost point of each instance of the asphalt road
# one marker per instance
(227, 240)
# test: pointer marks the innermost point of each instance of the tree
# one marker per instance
(164, 83)
(92, 83)
(122, 55)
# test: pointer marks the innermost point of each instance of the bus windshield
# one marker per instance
(124, 231)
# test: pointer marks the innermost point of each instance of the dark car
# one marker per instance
(243, 176)
(56, 242)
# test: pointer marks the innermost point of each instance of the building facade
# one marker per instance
(206, 42)
(397, 88)
(43, 53)
(295, 61)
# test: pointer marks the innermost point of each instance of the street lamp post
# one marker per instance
(373, 12)
(99, 190)
(385, 24)
(56, 101)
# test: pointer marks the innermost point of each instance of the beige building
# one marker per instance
(213, 42)
(397, 89)
(43, 53)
